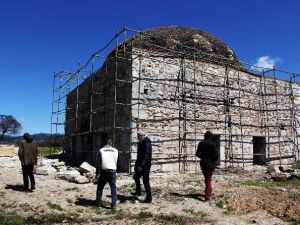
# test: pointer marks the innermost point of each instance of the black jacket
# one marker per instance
(144, 154)
(207, 152)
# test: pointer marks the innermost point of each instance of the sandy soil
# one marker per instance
(8, 150)
(177, 199)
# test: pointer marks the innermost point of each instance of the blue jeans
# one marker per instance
(110, 177)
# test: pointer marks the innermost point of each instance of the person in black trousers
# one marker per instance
(28, 153)
(142, 166)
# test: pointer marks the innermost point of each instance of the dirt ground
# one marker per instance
(177, 199)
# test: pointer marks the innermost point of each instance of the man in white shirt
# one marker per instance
(107, 163)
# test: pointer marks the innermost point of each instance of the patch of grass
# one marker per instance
(119, 214)
(156, 191)
(98, 210)
(8, 206)
(44, 219)
(106, 203)
(295, 182)
(257, 183)
(45, 151)
(9, 220)
(170, 219)
(293, 221)
(72, 189)
(26, 207)
(54, 206)
(2, 194)
(143, 217)
(195, 212)
(220, 204)
(70, 201)
(54, 218)
(271, 184)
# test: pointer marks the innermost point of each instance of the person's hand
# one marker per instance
(96, 179)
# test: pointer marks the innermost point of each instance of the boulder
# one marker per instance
(81, 180)
(273, 169)
(45, 170)
(48, 162)
(86, 168)
(68, 175)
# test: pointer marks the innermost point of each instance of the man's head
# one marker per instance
(109, 141)
(141, 135)
(27, 137)
(208, 135)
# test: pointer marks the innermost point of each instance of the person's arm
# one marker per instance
(98, 163)
(118, 162)
(147, 154)
(198, 152)
(36, 153)
(21, 153)
(215, 154)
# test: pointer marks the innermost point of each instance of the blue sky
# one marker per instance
(39, 37)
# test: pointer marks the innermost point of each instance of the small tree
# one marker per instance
(9, 125)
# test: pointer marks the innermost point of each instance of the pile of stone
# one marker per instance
(84, 174)
(283, 173)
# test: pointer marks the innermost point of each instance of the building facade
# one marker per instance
(176, 83)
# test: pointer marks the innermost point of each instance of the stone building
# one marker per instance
(175, 83)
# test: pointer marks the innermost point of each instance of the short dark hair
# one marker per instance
(26, 135)
(108, 139)
(208, 135)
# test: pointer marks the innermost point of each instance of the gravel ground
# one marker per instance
(177, 199)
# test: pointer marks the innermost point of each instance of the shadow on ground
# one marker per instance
(16, 187)
(196, 196)
(124, 198)
(85, 202)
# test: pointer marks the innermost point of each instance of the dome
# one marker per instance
(184, 41)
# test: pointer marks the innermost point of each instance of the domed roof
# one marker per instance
(184, 41)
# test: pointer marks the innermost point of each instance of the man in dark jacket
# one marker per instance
(28, 153)
(207, 152)
(142, 166)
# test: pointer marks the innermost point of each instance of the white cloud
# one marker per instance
(265, 62)
(21, 119)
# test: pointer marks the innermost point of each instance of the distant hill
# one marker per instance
(39, 138)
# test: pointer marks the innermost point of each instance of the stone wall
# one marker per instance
(102, 109)
(176, 100)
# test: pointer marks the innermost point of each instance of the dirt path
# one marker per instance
(177, 199)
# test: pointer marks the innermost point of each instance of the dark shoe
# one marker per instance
(207, 199)
(136, 193)
(147, 201)
(32, 188)
(113, 207)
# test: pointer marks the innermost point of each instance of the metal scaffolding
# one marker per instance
(81, 98)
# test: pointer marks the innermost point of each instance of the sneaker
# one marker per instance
(32, 188)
